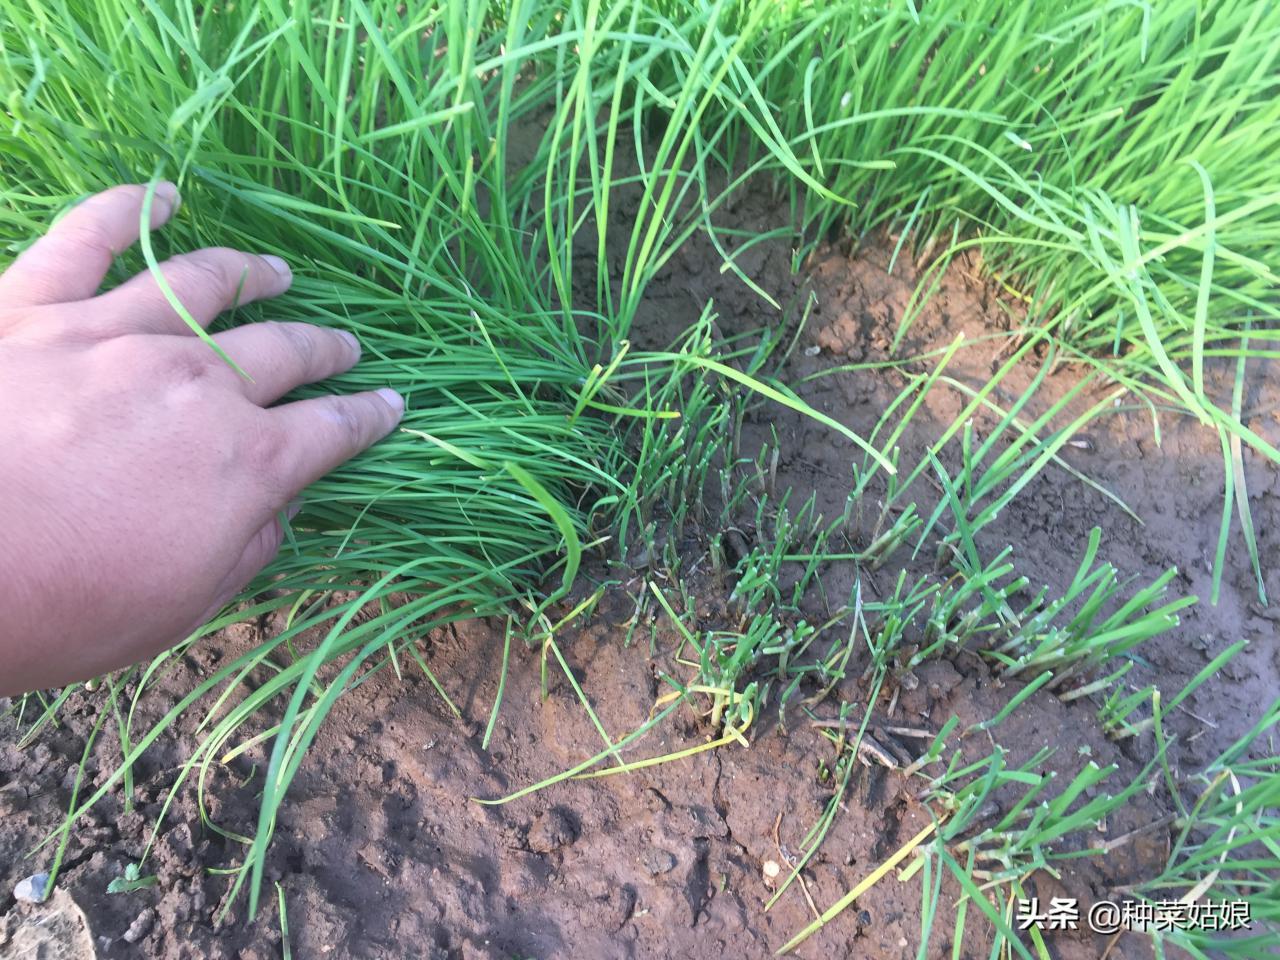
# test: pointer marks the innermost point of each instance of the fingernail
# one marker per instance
(164, 203)
(278, 265)
(392, 399)
(352, 342)
(292, 509)
(168, 192)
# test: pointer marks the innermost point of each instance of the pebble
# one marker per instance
(140, 926)
(658, 861)
(13, 798)
(551, 831)
(33, 889)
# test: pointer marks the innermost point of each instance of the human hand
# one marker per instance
(141, 477)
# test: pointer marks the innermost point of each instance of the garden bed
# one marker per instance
(381, 850)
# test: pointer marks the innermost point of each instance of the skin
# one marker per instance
(141, 478)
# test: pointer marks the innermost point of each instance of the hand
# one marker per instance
(141, 477)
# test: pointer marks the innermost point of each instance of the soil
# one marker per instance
(382, 850)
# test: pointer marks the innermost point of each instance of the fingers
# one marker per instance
(327, 431)
(206, 283)
(281, 356)
(69, 262)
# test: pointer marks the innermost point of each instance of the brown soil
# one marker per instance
(382, 852)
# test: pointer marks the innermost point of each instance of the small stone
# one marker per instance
(658, 861)
(33, 889)
(140, 927)
(13, 798)
(771, 869)
(551, 831)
